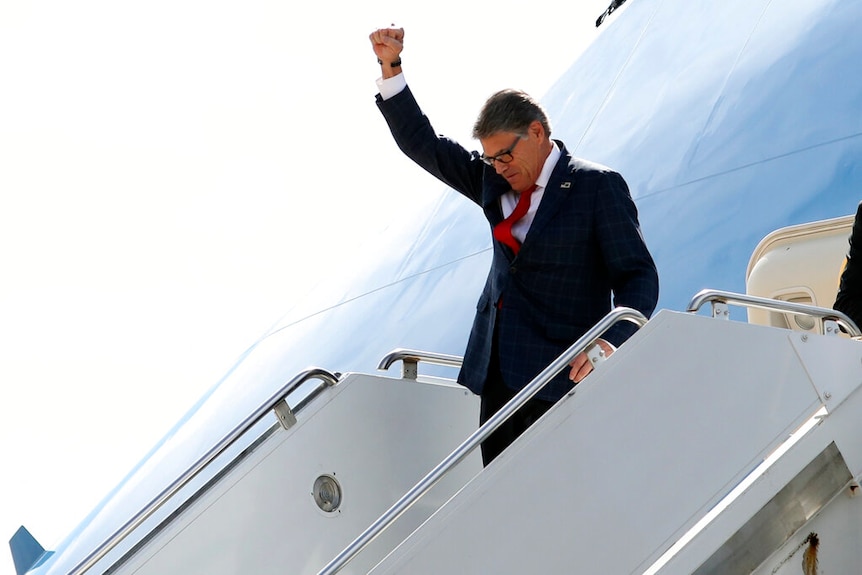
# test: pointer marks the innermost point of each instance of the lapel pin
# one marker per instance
(566, 185)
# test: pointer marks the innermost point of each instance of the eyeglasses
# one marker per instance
(503, 157)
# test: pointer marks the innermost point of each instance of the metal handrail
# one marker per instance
(745, 300)
(115, 538)
(476, 438)
(410, 359)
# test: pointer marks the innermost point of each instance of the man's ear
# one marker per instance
(537, 129)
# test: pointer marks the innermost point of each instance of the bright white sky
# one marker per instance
(168, 172)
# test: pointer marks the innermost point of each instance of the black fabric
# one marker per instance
(494, 397)
(849, 300)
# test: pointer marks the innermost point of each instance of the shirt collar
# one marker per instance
(550, 163)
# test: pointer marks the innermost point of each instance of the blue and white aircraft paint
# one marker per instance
(727, 119)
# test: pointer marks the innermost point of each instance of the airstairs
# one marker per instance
(622, 475)
(704, 445)
(296, 480)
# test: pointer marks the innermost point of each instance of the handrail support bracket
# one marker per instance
(720, 310)
(284, 414)
(410, 368)
(831, 327)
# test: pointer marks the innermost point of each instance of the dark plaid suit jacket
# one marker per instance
(584, 252)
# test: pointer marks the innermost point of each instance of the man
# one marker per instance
(566, 240)
(849, 298)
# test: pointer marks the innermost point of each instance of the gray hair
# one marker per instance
(509, 111)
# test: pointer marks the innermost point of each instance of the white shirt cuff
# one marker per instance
(389, 87)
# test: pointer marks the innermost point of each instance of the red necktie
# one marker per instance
(503, 230)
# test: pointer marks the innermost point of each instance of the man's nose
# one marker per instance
(500, 167)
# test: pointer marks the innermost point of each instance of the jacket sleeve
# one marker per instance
(631, 269)
(440, 156)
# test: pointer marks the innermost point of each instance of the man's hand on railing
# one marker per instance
(585, 361)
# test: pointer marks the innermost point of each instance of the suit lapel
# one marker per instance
(560, 186)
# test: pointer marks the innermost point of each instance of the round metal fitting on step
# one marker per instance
(327, 493)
